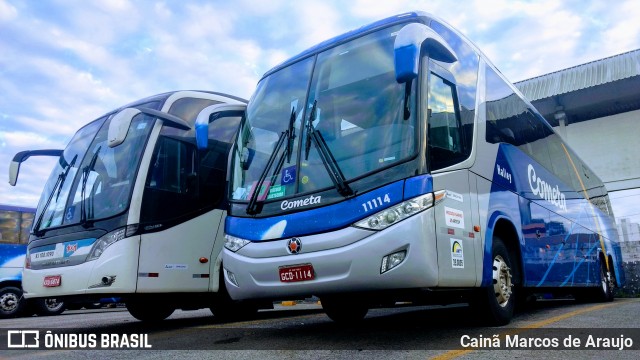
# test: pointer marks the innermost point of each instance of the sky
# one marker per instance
(64, 63)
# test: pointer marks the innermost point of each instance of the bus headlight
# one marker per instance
(104, 242)
(385, 218)
(234, 243)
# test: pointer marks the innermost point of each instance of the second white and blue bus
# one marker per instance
(135, 208)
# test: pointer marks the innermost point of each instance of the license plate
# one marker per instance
(52, 281)
(296, 273)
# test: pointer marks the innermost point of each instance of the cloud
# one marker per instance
(7, 11)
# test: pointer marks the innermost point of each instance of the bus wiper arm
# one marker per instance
(56, 189)
(329, 161)
(85, 177)
(289, 136)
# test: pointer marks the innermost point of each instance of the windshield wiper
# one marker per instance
(85, 177)
(56, 189)
(289, 135)
(330, 163)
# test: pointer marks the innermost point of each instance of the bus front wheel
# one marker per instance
(344, 310)
(149, 311)
(498, 299)
(226, 309)
(11, 303)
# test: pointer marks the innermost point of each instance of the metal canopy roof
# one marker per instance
(592, 90)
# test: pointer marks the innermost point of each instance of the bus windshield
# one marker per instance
(91, 180)
(351, 98)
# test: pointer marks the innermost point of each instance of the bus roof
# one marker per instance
(351, 34)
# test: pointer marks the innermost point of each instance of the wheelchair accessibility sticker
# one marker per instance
(288, 175)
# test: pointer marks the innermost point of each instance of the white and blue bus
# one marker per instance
(396, 163)
(135, 208)
(15, 224)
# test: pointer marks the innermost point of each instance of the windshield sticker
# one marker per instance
(141, 126)
(276, 191)
(457, 254)
(262, 194)
(288, 176)
(240, 193)
(305, 179)
(454, 217)
(69, 214)
(386, 159)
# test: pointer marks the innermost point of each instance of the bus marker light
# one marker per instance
(232, 277)
(203, 260)
(392, 260)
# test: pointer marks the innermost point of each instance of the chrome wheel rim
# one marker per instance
(53, 304)
(502, 281)
(8, 302)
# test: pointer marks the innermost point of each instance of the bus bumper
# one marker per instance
(251, 273)
(118, 264)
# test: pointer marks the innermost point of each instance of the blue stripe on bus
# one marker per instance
(327, 218)
(417, 186)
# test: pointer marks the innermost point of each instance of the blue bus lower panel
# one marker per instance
(557, 226)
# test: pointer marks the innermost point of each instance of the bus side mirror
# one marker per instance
(202, 127)
(406, 50)
(120, 123)
(22, 156)
(119, 126)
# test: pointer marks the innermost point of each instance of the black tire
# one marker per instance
(226, 309)
(344, 311)
(48, 307)
(92, 305)
(497, 301)
(11, 302)
(149, 311)
(604, 292)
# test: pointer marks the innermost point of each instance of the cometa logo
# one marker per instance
(546, 191)
(288, 205)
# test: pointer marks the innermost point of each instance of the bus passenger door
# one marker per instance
(448, 148)
(457, 243)
(183, 205)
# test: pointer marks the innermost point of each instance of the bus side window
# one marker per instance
(445, 137)
(171, 189)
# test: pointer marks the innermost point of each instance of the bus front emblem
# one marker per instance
(294, 245)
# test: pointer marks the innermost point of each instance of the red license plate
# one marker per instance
(296, 273)
(52, 281)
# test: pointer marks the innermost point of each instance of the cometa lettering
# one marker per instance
(545, 190)
(311, 200)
